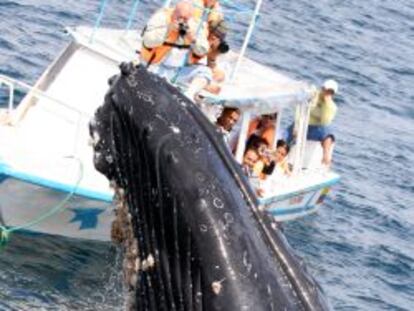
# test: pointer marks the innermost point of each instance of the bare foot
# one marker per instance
(327, 160)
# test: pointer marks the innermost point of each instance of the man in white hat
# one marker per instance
(322, 113)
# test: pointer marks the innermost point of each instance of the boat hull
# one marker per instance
(23, 204)
(298, 205)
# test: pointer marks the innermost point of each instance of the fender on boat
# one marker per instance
(197, 239)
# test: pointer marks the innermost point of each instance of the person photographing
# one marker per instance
(170, 40)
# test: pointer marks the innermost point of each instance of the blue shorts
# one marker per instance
(315, 132)
(320, 132)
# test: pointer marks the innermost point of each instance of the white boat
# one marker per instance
(46, 161)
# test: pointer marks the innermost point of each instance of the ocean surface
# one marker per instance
(359, 246)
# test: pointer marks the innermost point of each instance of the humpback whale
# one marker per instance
(193, 234)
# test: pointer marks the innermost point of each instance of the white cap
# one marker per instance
(331, 85)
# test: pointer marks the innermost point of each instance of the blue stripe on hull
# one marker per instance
(309, 207)
(80, 217)
(289, 211)
(9, 172)
(3, 177)
(300, 192)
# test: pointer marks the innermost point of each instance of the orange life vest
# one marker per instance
(267, 134)
(157, 54)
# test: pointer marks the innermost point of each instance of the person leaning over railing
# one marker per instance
(322, 113)
(207, 74)
(217, 31)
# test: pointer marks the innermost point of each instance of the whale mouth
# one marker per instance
(188, 221)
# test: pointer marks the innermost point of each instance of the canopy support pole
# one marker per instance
(98, 20)
(241, 145)
(132, 15)
(277, 129)
(302, 133)
(246, 39)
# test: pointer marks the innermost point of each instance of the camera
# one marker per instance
(223, 47)
(268, 153)
(182, 29)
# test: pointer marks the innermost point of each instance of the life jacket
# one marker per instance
(268, 134)
(157, 54)
(214, 14)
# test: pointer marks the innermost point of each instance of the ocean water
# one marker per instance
(359, 246)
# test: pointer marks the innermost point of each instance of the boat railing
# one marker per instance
(33, 91)
(7, 83)
(236, 8)
(34, 94)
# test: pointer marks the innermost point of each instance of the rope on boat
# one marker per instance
(98, 20)
(5, 231)
(132, 15)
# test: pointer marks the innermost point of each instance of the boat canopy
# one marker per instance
(258, 88)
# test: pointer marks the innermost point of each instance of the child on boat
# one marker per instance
(265, 154)
(250, 158)
(279, 165)
(276, 170)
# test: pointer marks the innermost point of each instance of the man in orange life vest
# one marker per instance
(171, 45)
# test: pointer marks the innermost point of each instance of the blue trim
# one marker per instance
(98, 20)
(311, 199)
(132, 15)
(3, 177)
(88, 217)
(300, 192)
(5, 170)
(287, 211)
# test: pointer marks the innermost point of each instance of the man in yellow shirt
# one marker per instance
(322, 113)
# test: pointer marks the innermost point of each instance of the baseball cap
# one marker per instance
(331, 85)
(218, 28)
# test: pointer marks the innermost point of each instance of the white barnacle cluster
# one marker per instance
(175, 129)
(94, 138)
(217, 286)
(122, 233)
(148, 263)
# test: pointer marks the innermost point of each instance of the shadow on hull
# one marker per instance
(188, 220)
